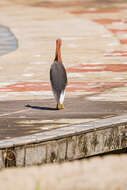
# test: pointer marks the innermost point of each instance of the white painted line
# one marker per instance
(11, 113)
(28, 74)
(73, 75)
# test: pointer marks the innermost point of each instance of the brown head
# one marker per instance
(58, 50)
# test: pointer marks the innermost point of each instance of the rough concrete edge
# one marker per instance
(64, 132)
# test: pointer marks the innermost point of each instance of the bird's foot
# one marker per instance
(57, 107)
(62, 106)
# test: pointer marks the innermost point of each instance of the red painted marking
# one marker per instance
(117, 53)
(96, 11)
(118, 30)
(94, 87)
(107, 21)
(123, 41)
(98, 68)
(72, 86)
(27, 86)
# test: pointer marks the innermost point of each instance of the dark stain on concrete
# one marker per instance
(53, 157)
(10, 157)
(82, 144)
(8, 41)
(94, 141)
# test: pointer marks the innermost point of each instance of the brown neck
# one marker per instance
(58, 51)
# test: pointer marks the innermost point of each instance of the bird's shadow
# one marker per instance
(40, 108)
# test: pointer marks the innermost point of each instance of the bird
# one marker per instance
(58, 77)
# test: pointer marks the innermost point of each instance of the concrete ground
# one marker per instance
(94, 52)
(19, 118)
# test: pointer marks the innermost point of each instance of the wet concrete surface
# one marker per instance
(21, 118)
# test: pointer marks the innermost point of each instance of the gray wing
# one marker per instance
(58, 77)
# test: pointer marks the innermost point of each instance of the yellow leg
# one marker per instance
(62, 106)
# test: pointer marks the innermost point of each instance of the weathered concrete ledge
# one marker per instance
(67, 143)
